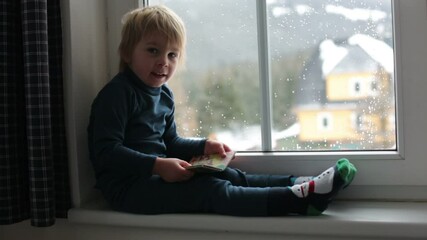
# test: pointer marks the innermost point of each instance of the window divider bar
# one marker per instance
(144, 3)
(264, 76)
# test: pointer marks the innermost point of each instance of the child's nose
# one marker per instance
(163, 61)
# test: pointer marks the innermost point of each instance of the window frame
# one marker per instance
(266, 88)
(376, 178)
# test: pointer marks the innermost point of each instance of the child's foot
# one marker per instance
(320, 190)
(301, 180)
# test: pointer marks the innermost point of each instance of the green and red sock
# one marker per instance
(320, 190)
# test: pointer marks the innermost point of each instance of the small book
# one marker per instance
(210, 163)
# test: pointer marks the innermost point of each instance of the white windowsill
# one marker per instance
(399, 220)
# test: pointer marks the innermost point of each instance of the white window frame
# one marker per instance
(266, 93)
(91, 60)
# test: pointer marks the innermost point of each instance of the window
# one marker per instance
(357, 120)
(324, 121)
(259, 72)
(382, 174)
(355, 87)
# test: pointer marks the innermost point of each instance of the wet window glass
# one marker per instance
(331, 74)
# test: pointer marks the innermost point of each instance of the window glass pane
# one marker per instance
(217, 95)
(332, 58)
(332, 74)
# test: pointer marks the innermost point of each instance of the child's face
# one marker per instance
(154, 59)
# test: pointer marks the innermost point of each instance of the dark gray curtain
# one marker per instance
(34, 181)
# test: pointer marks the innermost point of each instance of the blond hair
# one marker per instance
(143, 21)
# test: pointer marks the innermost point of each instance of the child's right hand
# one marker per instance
(172, 169)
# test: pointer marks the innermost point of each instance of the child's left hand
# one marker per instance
(215, 147)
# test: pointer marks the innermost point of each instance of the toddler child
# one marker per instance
(140, 161)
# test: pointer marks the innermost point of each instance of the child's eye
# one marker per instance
(153, 50)
(173, 55)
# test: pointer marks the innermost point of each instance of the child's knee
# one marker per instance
(235, 176)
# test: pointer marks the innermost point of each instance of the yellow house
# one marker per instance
(347, 96)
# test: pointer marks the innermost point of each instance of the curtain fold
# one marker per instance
(34, 181)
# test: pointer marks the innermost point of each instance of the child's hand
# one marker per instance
(215, 147)
(172, 169)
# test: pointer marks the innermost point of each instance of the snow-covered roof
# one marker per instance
(331, 54)
(376, 49)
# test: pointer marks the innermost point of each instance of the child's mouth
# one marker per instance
(159, 74)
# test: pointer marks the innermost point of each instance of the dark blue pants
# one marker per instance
(230, 192)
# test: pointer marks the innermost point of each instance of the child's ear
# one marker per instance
(126, 58)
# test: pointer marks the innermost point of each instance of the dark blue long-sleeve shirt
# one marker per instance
(131, 124)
